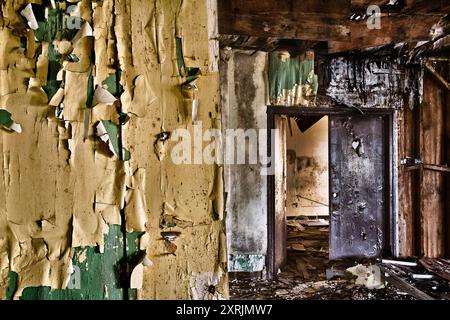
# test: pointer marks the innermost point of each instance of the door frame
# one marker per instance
(290, 111)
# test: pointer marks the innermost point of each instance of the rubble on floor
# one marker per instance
(309, 275)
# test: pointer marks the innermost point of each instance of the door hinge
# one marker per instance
(410, 161)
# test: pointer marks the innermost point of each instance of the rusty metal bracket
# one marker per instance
(417, 164)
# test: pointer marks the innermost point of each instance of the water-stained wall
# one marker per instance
(307, 170)
(244, 99)
(96, 109)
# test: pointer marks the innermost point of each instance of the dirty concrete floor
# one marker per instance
(305, 274)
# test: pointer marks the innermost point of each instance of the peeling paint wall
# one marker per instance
(62, 187)
(307, 170)
(244, 100)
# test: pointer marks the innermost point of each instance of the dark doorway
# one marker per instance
(360, 160)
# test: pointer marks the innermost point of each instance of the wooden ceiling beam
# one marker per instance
(324, 20)
(394, 29)
(427, 6)
(362, 5)
(289, 26)
(317, 20)
(335, 7)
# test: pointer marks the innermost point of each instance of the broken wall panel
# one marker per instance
(63, 187)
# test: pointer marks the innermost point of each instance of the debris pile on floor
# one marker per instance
(309, 275)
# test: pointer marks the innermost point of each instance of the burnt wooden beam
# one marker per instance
(320, 20)
(286, 19)
(404, 285)
(437, 76)
(439, 267)
(248, 42)
(432, 167)
(362, 5)
(406, 6)
(335, 7)
(288, 26)
(295, 47)
(394, 29)
(419, 6)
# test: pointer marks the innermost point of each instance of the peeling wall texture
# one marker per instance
(91, 106)
(244, 100)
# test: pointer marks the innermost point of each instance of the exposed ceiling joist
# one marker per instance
(335, 7)
(427, 6)
(320, 20)
(394, 29)
(317, 20)
(362, 5)
(288, 26)
(295, 47)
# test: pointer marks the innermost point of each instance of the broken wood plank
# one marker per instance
(439, 267)
(301, 267)
(405, 286)
(435, 167)
(432, 167)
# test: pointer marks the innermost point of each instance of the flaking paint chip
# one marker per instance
(28, 14)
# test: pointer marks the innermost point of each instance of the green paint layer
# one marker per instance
(99, 273)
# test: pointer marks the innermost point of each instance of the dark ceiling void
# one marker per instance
(304, 123)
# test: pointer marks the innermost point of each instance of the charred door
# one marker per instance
(358, 185)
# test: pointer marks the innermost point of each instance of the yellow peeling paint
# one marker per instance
(59, 191)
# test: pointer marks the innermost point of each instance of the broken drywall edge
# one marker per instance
(137, 276)
(28, 14)
(57, 98)
(7, 122)
(103, 96)
(108, 133)
(85, 31)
